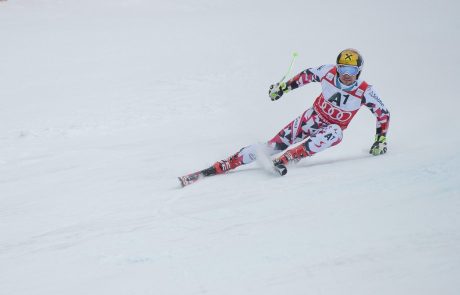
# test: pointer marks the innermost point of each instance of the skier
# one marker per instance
(321, 126)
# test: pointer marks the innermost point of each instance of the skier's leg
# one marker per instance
(300, 128)
(326, 137)
(244, 156)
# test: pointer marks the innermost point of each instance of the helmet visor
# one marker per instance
(348, 70)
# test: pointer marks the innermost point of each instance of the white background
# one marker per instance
(104, 103)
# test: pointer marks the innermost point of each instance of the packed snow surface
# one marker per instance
(104, 103)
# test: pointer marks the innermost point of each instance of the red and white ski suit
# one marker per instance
(324, 122)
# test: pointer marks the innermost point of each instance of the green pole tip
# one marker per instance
(295, 54)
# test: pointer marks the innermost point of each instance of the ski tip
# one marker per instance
(189, 179)
(182, 184)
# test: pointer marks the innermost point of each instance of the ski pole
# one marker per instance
(294, 55)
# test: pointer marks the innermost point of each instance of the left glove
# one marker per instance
(380, 145)
(277, 90)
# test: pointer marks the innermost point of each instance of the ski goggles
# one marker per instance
(347, 70)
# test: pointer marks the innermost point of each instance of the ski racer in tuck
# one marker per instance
(321, 126)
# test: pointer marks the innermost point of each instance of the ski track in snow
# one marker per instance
(104, 103)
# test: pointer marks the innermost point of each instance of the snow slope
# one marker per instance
(104, 103)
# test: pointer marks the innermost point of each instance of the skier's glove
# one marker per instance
(380, 145)
(277, 90)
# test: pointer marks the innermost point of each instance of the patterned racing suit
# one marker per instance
(321, 125)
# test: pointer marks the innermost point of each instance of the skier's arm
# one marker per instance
(303, 78)
(376, 106)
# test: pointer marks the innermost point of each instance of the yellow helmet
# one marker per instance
(351, 57)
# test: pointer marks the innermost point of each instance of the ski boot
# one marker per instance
(291, 156)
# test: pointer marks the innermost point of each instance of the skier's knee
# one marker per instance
(326, 137)
(337, 134)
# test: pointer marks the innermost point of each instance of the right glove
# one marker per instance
(380, 145)
(277, 90)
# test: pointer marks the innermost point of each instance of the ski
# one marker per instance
(190, 178)
(264, 160)
(195, 176)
